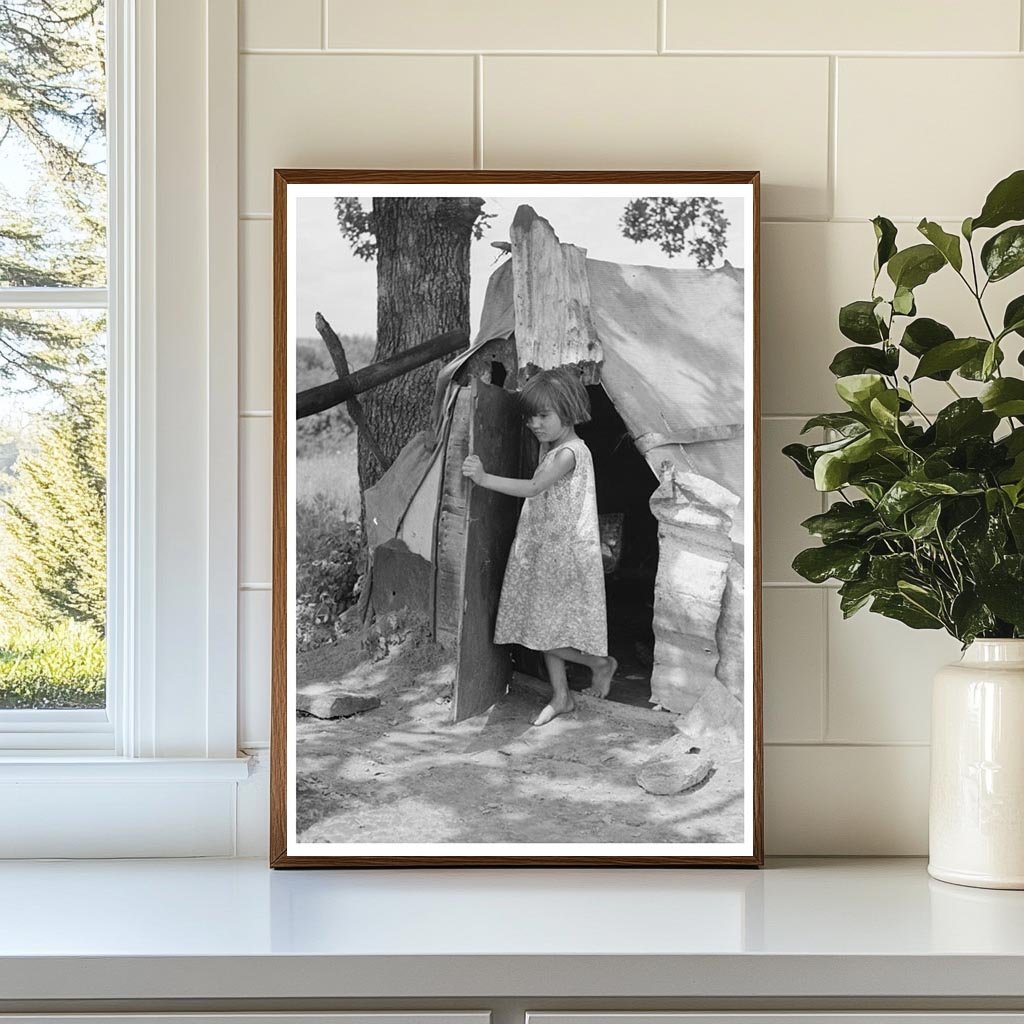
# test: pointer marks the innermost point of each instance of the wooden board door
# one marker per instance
(493, 431)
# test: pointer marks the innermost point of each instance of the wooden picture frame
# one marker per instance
(669, 358)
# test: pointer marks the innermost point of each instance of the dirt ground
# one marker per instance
(403, 772)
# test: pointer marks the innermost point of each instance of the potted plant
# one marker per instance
(927, 521)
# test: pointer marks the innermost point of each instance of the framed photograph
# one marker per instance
(516, 565)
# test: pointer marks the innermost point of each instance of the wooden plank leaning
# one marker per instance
(326, 396)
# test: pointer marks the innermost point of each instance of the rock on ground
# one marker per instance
(675, 766)
(336, 704)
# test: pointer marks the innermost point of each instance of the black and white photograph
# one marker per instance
(515, 506)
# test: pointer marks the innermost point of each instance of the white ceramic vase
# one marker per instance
(976, 813)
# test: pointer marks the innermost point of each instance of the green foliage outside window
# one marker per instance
(52, 365)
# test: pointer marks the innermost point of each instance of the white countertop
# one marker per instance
(233, 929)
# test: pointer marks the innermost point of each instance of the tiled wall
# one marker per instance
(906, 109)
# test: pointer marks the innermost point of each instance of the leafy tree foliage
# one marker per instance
(359, 229)
(53, 521)
(694, 226)
(53, 122)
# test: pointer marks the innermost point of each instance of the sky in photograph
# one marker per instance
(344, 289)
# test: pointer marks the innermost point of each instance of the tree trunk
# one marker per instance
(422, 291)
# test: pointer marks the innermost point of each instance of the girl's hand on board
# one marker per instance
(473, 468)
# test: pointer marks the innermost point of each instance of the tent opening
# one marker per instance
(629, 545)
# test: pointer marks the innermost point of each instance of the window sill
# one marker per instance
(77, 766)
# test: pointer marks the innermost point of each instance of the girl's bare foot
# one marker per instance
(602, 681)
(554, 709)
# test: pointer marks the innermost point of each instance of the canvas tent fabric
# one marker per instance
(673, 344)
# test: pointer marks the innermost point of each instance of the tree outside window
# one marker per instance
(53, 217)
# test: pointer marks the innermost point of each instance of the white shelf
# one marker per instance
(232, 929)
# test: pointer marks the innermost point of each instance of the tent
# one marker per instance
(667, 348)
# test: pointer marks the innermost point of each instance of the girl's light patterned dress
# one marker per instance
(553, 594)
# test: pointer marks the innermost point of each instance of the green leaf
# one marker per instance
(947, 244)
(966, 229)
(849, 361)
(1014, 441)
(922, 336)
(974, 368)
(971, 617)
(950, 355)
(925, 518)
(906, 494)
(1005, 202)
(840, 561)
(887, 570)
(964, 482)
(843, 521)
(854, 594)
(858, 389)
(841, 421)
(885, 409)
(903, 302)
(990, 360)
(831, 471)
(1013, 317)
(799, 455)
(994, 499)
(912, 267)
(1014, 492)
(1003, 254)
(1015, 519)
(863, 447)
(1005, 597)
(966, 417)
(1004, 397)
(885, 237)
(857, 321)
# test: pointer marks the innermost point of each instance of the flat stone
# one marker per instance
(334, 704)
(673, 768)
(717, 715)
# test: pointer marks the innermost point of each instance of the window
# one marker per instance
(53, 374)
(155, 771)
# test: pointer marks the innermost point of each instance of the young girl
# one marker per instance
(552, 599)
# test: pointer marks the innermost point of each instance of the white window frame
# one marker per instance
(171, 718)
(63, 730)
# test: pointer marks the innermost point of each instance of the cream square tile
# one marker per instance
(271, 24)
(787, 498)
(472, 25)
(255, 316)
(802, 25)
(351, 111)
(935, 171)
(794, 663)
(255, 512)
(809, 271)
(684, 113)
(846, 801)
(880, 676)
(254, 611)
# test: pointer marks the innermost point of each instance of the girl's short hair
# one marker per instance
(559, 390)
